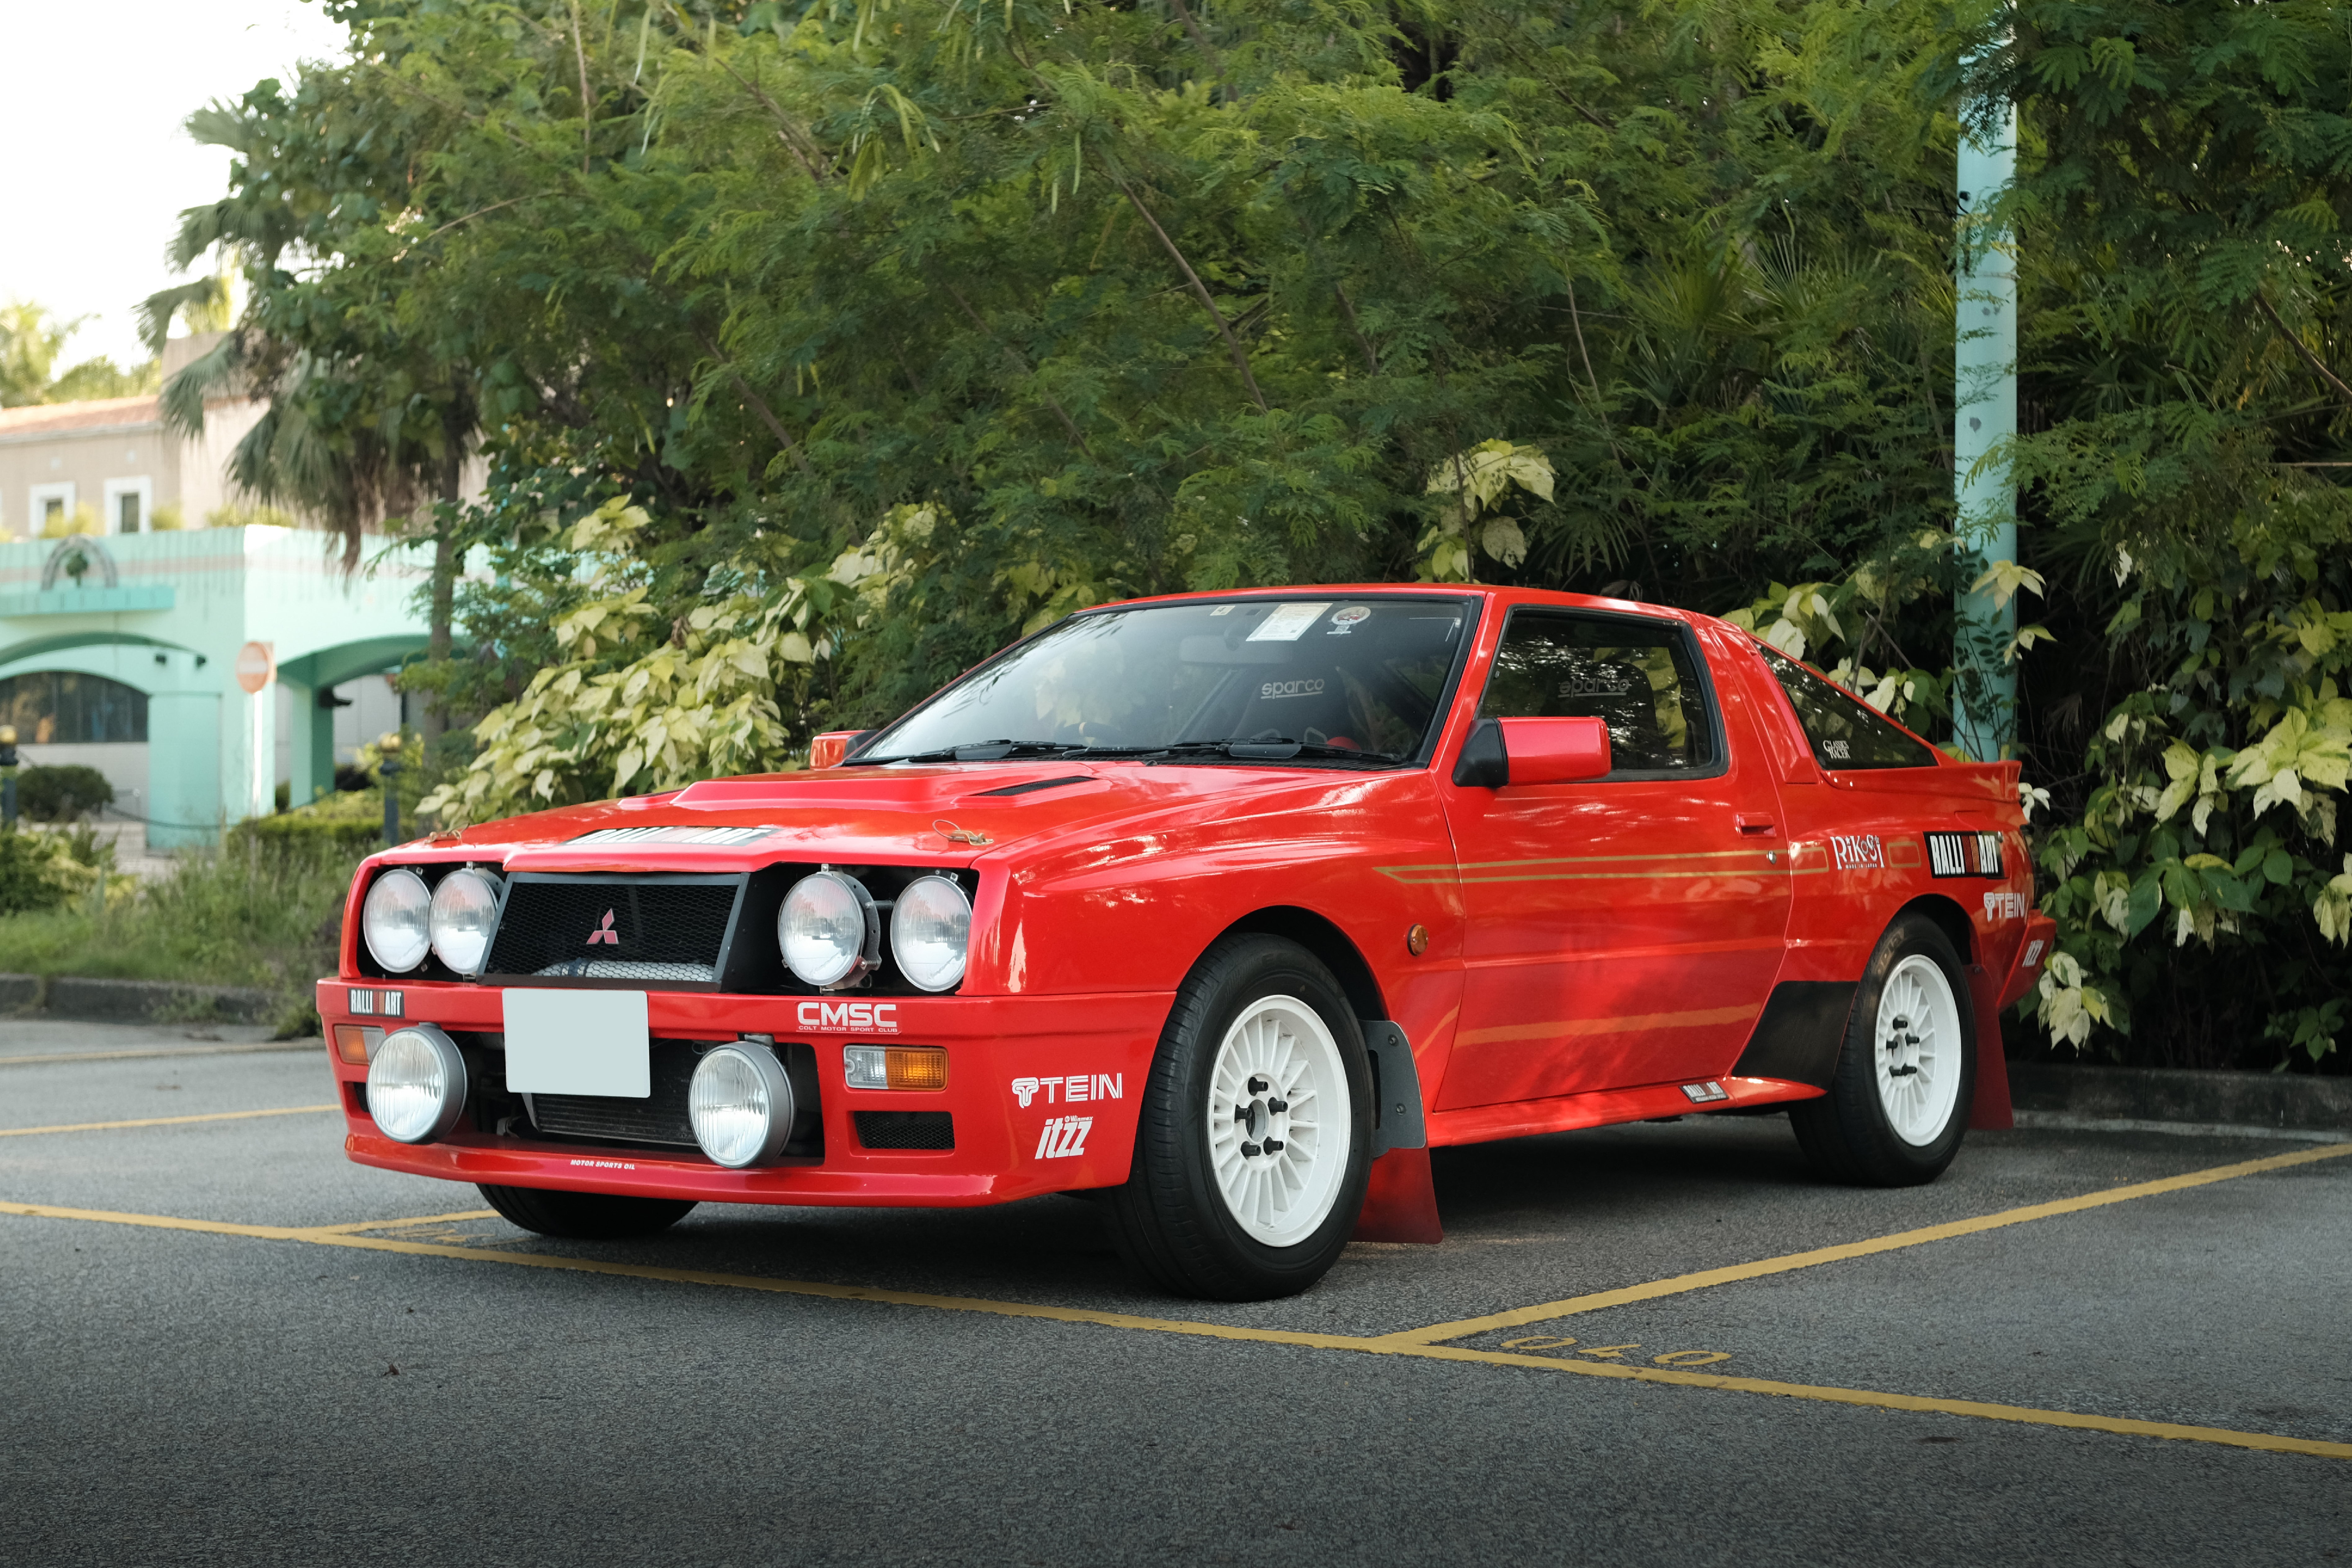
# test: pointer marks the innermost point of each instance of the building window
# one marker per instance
(65, 708)
(130, 505)
(52, 511)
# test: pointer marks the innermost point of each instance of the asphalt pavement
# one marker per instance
(220, 1341)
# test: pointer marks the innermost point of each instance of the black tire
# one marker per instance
(1170, 1221)
(1848, 1134)
(586, 1216)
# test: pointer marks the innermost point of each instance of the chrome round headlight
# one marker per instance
(416, 1084)
(930, 932)
(465, 913)
(828, 928)
(740, 1104)
(393, 921)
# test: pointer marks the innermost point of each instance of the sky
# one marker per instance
(99, 166)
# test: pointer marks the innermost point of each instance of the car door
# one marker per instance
(1626, 930)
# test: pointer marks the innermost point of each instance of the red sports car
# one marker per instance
(1225, 907)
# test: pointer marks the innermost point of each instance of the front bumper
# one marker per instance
(1073, 1058)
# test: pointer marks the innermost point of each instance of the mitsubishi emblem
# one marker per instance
(605, 932)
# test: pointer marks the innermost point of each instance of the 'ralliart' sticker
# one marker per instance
(1964, 854)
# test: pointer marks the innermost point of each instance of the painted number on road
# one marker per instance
(1616, 1352)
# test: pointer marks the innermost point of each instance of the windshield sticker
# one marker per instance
(1274, 689)
(721, 836)
(1341, 620)
(1221, 610)
(1289, 622)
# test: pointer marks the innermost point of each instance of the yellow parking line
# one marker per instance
(1570, 1306)
(360, 1225)
(2023, 1415)
(163, 1121)
(163, 1051)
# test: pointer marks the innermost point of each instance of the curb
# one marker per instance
(133, 1001)
(2278, 1102)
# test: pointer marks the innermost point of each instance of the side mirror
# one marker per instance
(1532, 751)
(827, 749)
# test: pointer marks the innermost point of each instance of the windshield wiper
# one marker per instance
(978, 752)
(1280, 749)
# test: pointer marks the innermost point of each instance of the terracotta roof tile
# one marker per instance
(60, 419)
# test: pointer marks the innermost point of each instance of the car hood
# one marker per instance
(945, 814)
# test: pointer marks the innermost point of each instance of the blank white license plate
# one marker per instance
(579, 1042)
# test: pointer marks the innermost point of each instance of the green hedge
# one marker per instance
(349, 823)
(62, 794)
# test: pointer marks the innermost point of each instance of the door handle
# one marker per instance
(1758, 825)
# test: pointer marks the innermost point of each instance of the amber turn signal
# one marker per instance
(1416, 941)
(916, 1066)
(895, 1067)
(351, 1043)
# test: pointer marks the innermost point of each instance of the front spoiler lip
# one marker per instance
(633, 1173)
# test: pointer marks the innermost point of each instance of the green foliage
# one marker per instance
(349, 822)
(238, 515)
(253, 913)
(2186, 193)
(819, 351)
(43, 870)
(32, 339)
(62, 793)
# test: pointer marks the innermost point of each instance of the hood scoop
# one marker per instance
(1032, 786)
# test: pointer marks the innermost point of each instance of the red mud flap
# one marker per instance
(1991, 1110)
(1401, 1202)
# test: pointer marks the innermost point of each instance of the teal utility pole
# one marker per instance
(1984, 415)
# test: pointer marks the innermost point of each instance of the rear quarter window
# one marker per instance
(1844, 732)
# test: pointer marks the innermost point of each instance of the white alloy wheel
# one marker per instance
(1918, 1051)
(1279, 1121)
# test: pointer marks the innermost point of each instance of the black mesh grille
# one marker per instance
(905, 1129)
(617, 927)
(659, 1118)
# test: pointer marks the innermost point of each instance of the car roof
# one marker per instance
(1494, 593)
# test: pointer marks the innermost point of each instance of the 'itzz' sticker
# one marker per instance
(1064, 1137)
(1964, 854)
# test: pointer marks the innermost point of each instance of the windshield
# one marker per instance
(1326, 679)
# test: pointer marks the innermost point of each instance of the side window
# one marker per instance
(1844, 732)
(1641, 677)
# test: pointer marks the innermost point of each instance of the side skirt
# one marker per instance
(1600, 1107)
(1800, 1033)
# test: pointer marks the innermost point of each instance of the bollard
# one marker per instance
(8, 774)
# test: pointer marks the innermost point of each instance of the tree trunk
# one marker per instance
(434, 721)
